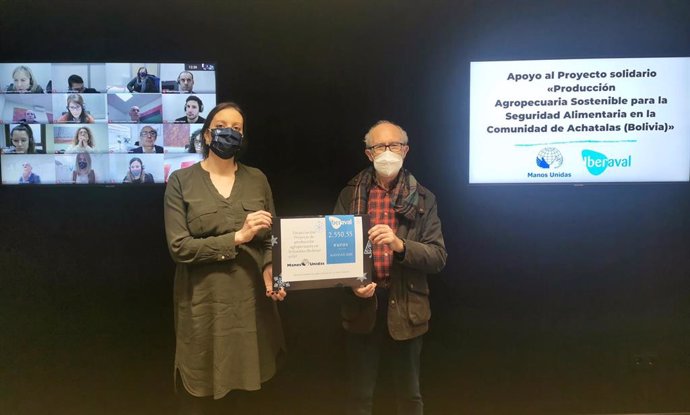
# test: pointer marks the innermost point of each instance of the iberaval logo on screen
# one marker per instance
(597, 163)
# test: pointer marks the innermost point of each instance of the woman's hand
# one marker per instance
(268, 282)
(254, 222)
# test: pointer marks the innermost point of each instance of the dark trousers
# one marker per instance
(365, 351)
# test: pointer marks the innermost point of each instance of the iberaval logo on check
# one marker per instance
(597, 163)
(337, 222)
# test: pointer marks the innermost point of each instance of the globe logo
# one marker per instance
(549, 158)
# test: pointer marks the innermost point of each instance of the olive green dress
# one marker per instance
(228, 332)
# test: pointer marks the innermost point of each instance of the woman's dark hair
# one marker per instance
(77, 99)
(207, 124)
(90, 143)
(195, 135)
(25, 127)
(133, 159)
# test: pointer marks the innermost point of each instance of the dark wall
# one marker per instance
(555, 299)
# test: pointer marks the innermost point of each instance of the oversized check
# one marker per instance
(321, 251)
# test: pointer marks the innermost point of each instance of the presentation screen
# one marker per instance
(101, 123)
(580, 121)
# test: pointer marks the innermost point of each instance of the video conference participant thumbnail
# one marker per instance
(150, 140)
(23, 169)
(144, 82)
(135, 108)
(76, 111)
(83, 142)
(81, 168)
(75, 138)
(176, 137)
(187, 78)
(136, 138)
(23, 138)
(187, 109)
(81, 78)
(193, 106)
(78, 108)
(136, 168)
(75, 83)
(132, 77)
(185, 82)
(28, 108)
(34, 78)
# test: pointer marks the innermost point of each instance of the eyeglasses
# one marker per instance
(148, 134)
(380, 148)
(74, 107)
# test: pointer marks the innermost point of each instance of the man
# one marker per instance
(28, 177)
(388, 317)
(147, 140)
(134, 114)
(192, 107)
(29, 117)
(75, 83)
(185, 82)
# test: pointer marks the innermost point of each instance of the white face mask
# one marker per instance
(388, 164)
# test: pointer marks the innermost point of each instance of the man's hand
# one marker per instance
(365, 291)
(383, 234)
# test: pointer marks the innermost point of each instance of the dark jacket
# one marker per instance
(37, 90)
(158, 148)
(149, 84)
(425, 253)
(199, 120)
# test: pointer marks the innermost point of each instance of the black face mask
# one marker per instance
(82, 164)
(225, 142)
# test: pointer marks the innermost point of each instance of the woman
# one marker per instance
(82, 142)
(143, 82)
(22, 138)
(218, 215)
(194, 145)
(136, 173)
(83, 174)
(76, 111)
(24, 81)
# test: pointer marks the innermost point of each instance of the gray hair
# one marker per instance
(367, 136)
